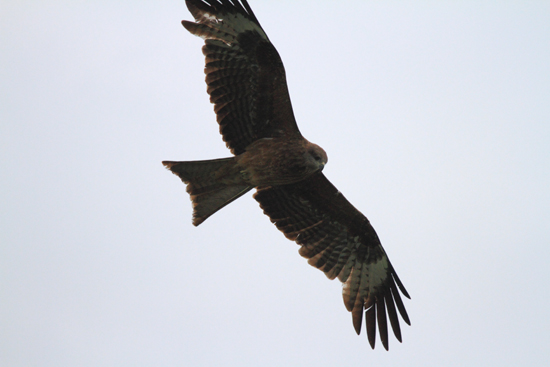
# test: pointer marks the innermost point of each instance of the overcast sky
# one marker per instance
(436, 120)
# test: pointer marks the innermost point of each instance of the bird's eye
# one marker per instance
(316, 156)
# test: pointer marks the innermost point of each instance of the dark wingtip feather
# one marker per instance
(370, 323)
(399, 284)
(399, 304)
(382, 322)
(357, 317)
(392, 315)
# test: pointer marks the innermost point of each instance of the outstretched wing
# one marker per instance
(340, 241)
(244, 73)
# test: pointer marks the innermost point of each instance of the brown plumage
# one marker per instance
(247, 85)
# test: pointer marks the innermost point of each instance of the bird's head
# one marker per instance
(316, 156)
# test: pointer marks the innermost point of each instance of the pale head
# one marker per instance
(316, 156)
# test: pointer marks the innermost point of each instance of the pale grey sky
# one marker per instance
(436, 120)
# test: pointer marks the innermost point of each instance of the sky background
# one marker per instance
(436, 120)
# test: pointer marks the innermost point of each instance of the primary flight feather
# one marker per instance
(246, 82)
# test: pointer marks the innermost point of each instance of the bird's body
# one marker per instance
(295, 159)
(247, 85)
(266, 162)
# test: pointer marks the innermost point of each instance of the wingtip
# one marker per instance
(372, 343)
(370, 321)
(399, 283)
(382, 322)
(357, 318)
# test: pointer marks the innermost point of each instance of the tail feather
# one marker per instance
(211, 184)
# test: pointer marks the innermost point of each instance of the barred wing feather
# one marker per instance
(244, 73)
(339, 240)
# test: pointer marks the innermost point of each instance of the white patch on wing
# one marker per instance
(242, 24)
(378, 272)
(229, 26)
(211, 18)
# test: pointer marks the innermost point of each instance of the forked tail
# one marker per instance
(211, 184)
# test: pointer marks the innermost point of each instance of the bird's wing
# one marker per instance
(340, 241)
(244, 73)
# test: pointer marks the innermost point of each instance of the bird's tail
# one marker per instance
(211, 184)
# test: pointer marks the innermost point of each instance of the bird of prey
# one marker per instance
(246, 82)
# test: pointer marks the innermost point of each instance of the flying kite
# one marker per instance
(246, 82)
